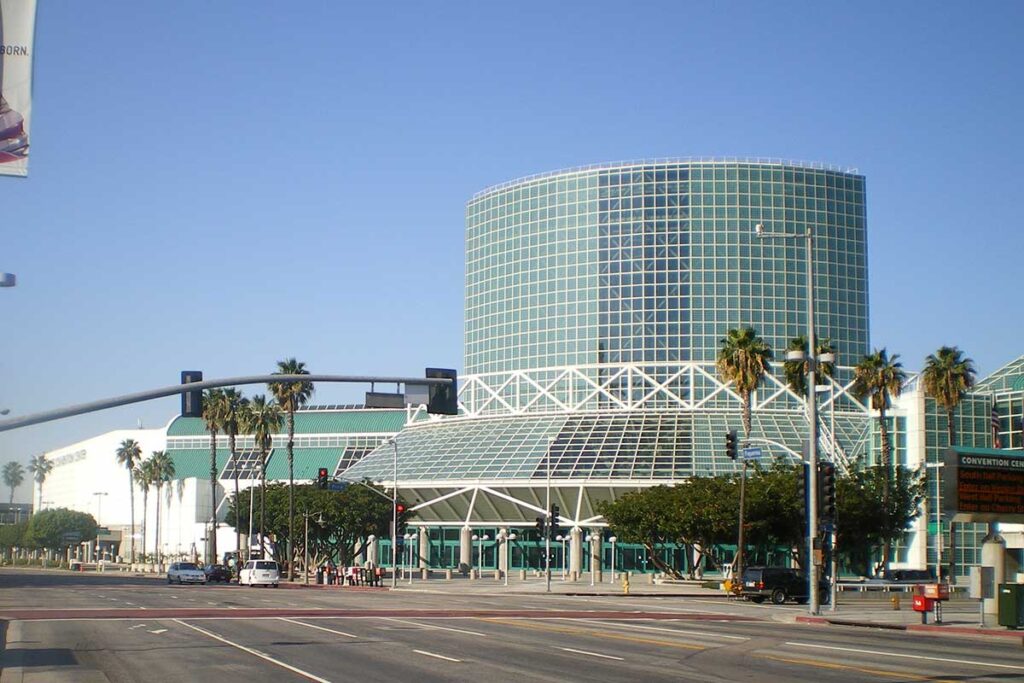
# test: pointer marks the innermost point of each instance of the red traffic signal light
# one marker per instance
(321, 478)
(400, 508)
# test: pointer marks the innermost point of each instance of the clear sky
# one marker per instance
(218, 186)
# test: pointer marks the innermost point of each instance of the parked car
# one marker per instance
(779, 584)
(217, 573)
(185, 572)
(904, 576)
(260, 573)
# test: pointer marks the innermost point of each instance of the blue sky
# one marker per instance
(218, 186)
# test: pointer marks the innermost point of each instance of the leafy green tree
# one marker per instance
(291, 396)
(13, 535)
(214, 415)
(743, 360)
(946, 377)
(262, 419)
(163, 473)
(775, 505)
(60, 528)
(350, 516)
(881, 379)
(647, 517)
(40, 468)
(129, 453)
(876, 508)
(14, 474)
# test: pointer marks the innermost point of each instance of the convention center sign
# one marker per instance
(983, 485)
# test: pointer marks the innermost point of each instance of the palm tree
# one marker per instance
(947, 376)
(14, 474)
(234, 409)
(881, 378)
(291, 396)
(796, 371)
(129, 453)
(40, 468)
(262, 419)
(163, 472)
(214, 412)
(143, 474)
(743, 360)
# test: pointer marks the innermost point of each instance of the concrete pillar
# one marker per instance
(360, 559)
(575, 552)
(993, 554)
(595, 554)
(502, 551)
(424, 550)
(371, 550)
(465, 548)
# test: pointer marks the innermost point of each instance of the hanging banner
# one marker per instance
(17, 30)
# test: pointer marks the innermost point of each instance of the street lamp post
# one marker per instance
(305, 542)
(812, 413)
(594, 538)
(480, 552)
(99, 506)
(562, 539)
(937, 466)
(551, 521)
(252, 496)
(394, 519)
(612, 541)
(506, 538)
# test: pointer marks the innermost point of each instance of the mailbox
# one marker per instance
(923, 603)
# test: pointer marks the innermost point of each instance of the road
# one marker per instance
(94, 627)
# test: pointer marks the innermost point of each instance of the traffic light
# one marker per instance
(191, 401)
(541, 525)
(731, 443)
(443, 399)
(801, 489)
(553, 529)
(321, 478)
(402, 523)
(827, 490)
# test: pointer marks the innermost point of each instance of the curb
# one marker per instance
(918, 628)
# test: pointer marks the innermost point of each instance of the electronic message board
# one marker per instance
(983, 485)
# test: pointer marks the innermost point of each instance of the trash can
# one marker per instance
(1011, 605)
(319, 575)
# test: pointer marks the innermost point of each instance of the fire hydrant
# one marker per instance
(895, 600)
(625, 583)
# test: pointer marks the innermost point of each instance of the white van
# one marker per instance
(259, 573)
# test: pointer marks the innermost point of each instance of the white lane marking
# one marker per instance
(703, 634)
(143, 608)
(438, 628)
(159, 631)
(257, 653)
(883, 653)
(590, 654)
(433, 654)
(129, 603)
(319, 628)
(132, 628)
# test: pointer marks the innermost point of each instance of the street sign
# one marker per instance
(752, 453)
(72, 537)
(337, 485)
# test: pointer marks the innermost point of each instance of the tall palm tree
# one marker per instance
(214, 411)
(291, 396)
(234, 408)
(163, 473)
(14, 474)
(947, 376)
(144, 479)
(743, 360)
(881, 378)
(40, 468)
(262, 419)
(129, 453)
(796, 371)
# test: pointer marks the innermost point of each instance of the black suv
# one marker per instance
(217, 572)
(779, 584)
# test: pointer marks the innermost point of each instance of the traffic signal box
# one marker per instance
(553, 530)
(191, 401)
(731, 444)
(827, 491)
(541, 525)
(321, 478)
(402, 522)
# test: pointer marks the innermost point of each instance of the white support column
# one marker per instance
(595, 554)
(424, 549)
(575, 552)
(502, 550)
(371, 550)
(466, 547)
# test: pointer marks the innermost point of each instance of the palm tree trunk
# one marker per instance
(886, 491)
(131, 502)
(291, 492)
(263, 499)
(212, 535)
(949, 423)
(156, 543)
(238, 537)
(145, 515)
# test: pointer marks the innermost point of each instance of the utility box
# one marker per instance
(1011, 605)
(983, 583)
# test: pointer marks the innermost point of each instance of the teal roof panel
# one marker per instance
(315, 422)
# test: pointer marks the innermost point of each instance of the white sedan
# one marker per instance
(185, 572)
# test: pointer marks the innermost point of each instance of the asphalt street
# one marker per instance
(93, 627)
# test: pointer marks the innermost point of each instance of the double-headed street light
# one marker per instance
(812, 410)
(612, 541)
